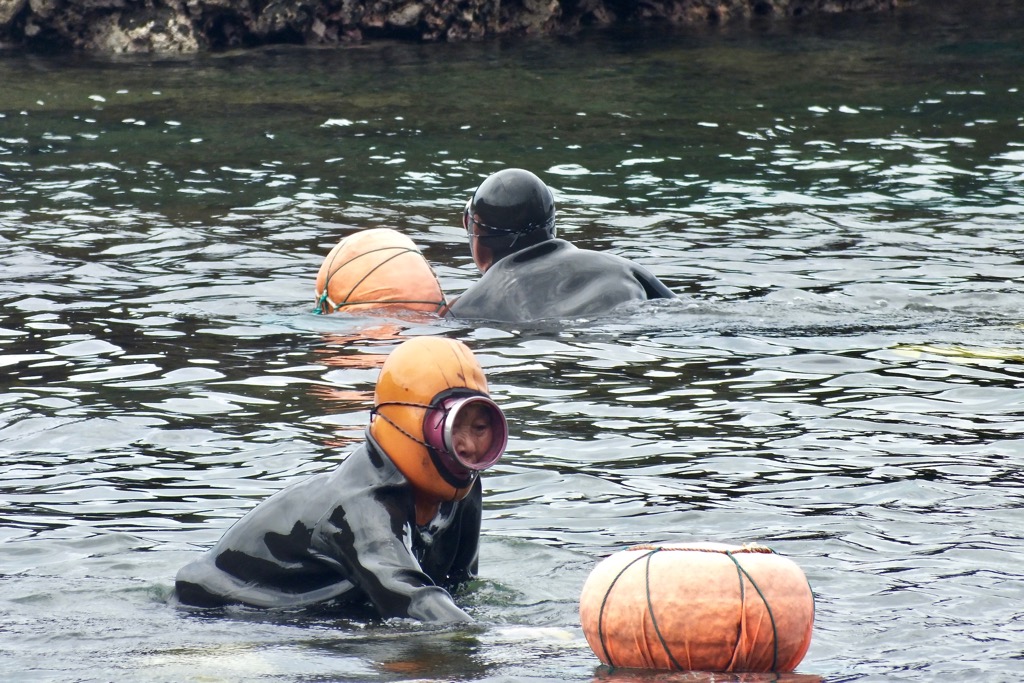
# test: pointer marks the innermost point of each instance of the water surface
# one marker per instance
(838, 203)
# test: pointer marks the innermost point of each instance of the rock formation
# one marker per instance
(197, 25)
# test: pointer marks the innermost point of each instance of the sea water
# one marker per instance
(837, 201)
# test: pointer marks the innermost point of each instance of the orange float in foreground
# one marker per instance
(377, 269)
(698, 607)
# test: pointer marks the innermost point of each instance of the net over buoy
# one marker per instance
(698, 607)
(377, 269)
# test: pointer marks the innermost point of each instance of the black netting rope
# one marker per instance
(604, 602)
(740, 571)
(324, 297)
(650, 608)
(376, 411)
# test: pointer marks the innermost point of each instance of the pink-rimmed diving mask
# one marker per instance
(457, 428)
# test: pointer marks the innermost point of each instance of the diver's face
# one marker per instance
(472, 433)
(483, 256)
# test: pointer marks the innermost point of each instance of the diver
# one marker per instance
(529, 274)
(395, 527)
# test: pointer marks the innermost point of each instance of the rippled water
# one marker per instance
(837, 202)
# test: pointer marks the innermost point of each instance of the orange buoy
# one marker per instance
(378, 268)
(698, 607)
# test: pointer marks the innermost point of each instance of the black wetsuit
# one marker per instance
(554, 279)
(348, 536)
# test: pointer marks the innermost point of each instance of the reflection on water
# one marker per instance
(838, 203)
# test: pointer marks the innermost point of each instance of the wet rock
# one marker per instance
(406, 17)
(10, 9)
(194, 25)
(156, 30)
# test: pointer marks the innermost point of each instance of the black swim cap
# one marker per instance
(513, 202)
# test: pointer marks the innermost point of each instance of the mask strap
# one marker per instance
(469, 221)
(324, 299)
(374, 411)
(322, 303)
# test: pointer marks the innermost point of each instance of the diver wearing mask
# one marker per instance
(396, 526)
(529, 274)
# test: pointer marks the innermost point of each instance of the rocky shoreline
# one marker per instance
(188, 26)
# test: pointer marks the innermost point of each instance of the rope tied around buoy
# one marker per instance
(320, 309)
(604, 602)
(741, 572)
(324, 298)
(650, 609)
(745, 548)
(375, 412)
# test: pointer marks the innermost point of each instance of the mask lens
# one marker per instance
(474, 432)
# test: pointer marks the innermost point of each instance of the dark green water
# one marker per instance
(838, 202)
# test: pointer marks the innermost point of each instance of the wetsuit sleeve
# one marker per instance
(465, 565)
(371, 537)
(653, 287)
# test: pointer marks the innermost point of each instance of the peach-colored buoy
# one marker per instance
(377, 269)
(698, 607)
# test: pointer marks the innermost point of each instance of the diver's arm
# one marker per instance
(398, 587)
(465, 565)
(654, 287)
(371, 537)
